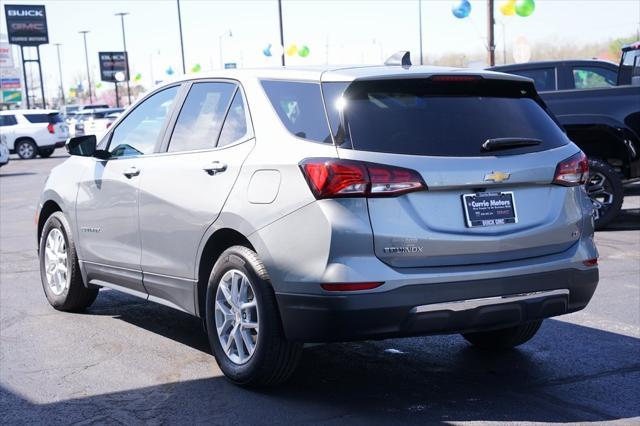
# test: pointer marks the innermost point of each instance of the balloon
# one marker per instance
(525, 8)
(196, 68)
(508, 8)
(462, 9)
(304, 51)
(137, 77)
(98, 85)
(169, 71)
(267, 50)
(292, 49)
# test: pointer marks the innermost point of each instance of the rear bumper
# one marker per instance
(423, 309)
(60, 144)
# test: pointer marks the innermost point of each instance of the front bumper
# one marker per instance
(423, 309)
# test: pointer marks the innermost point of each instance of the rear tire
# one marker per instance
(26, 149)
(606, 192)
(267, 358)
(46, 152)
(59, 267)
(505, 338)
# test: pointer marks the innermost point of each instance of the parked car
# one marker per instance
(600, 111)
(33, 132)
(94, 122)
(4, 150)
(287, 206)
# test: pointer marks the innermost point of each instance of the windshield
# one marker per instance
(418, 117)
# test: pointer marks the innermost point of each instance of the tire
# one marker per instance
(273, 358)
(505, 338)
(26, 149)
(606, 192)
(65, 292)
(46, 152)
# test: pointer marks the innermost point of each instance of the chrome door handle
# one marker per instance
(215, 167)
(131, 172)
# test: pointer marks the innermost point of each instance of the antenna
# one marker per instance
(402, 57)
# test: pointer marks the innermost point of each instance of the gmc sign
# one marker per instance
(26, 25)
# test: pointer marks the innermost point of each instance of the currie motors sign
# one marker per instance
(26, 25)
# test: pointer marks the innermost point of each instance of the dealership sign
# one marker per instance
(26, 25)
(114, 66)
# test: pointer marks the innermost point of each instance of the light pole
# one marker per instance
(220, 45)
(281, 30)
(86, 57)
(57, 45)
(124, 46)
(420, 28)
(184, 70)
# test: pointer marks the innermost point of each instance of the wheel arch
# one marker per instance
(48, 208)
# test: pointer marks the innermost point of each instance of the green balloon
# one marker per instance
(525, 8)
(196, 68)
(304, 51)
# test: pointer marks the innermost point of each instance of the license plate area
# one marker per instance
(489, 209)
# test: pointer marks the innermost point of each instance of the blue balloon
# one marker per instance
(267, 50)
(462, 9)
(169, 71)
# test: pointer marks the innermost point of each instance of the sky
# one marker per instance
(335, 31)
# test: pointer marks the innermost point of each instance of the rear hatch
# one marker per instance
(482, 205)
(55, 123)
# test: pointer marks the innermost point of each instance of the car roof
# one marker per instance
(29, 111)
(344, 73)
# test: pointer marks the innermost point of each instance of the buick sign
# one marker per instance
(26, 25)
(113, 65)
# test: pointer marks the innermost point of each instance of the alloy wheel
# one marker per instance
(56, 262)
(26, 150)
(600, 191)
(236, 316)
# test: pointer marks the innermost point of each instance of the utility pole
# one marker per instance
(57, 45)
(491, 45)
(420, 28)
(281, 30)
(124, 46)
(184, 70)
(86, 57)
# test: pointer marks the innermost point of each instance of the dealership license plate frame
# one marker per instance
(483, 223)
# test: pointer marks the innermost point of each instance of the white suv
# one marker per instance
(33, 132)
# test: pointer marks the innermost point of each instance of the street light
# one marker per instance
(184, 70)
(86, 57)
(124, 46)
(420, 28)
(57, 45)
(281, 30)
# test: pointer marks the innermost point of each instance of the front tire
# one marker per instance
(59, 267)
(26, 149)
(504, 338)
(606, 191)
(243, 323)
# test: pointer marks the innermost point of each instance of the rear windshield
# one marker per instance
(420, 117)
(44, 118)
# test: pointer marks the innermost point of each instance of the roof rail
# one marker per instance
(403, 57)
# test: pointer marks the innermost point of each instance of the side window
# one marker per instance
(8, 120)
(300, 108)
(138, 133)
(201, 116)
(235, 125)
(544, 78)
(593, 77)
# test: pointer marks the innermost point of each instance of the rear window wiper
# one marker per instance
(506, 143)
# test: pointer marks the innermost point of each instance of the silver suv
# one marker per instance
(290, 206)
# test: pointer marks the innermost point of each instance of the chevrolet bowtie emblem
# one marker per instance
(497, 176)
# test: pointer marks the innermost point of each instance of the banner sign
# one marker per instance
(114, 66)
(26, 25)
(6, 55)
(10, 83)
(11, 96)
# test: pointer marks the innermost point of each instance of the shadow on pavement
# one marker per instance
(567, 373)
(627, 219)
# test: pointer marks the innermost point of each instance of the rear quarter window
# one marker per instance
(543, 78)
(300, 108)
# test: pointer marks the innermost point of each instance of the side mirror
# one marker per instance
(85, 146)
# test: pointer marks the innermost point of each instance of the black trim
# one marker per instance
(322, 318)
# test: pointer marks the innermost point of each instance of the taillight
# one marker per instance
(50, 128)
(573, 171)
(333, 178)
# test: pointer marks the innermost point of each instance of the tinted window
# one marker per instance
(138, 133)
(235, 125)
(299, 106)
(7, 120)
(592, 77)
(44, 118)
(201, 116)
(543, 78)
(446, 119)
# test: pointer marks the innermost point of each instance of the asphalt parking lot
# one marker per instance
(128, 361)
